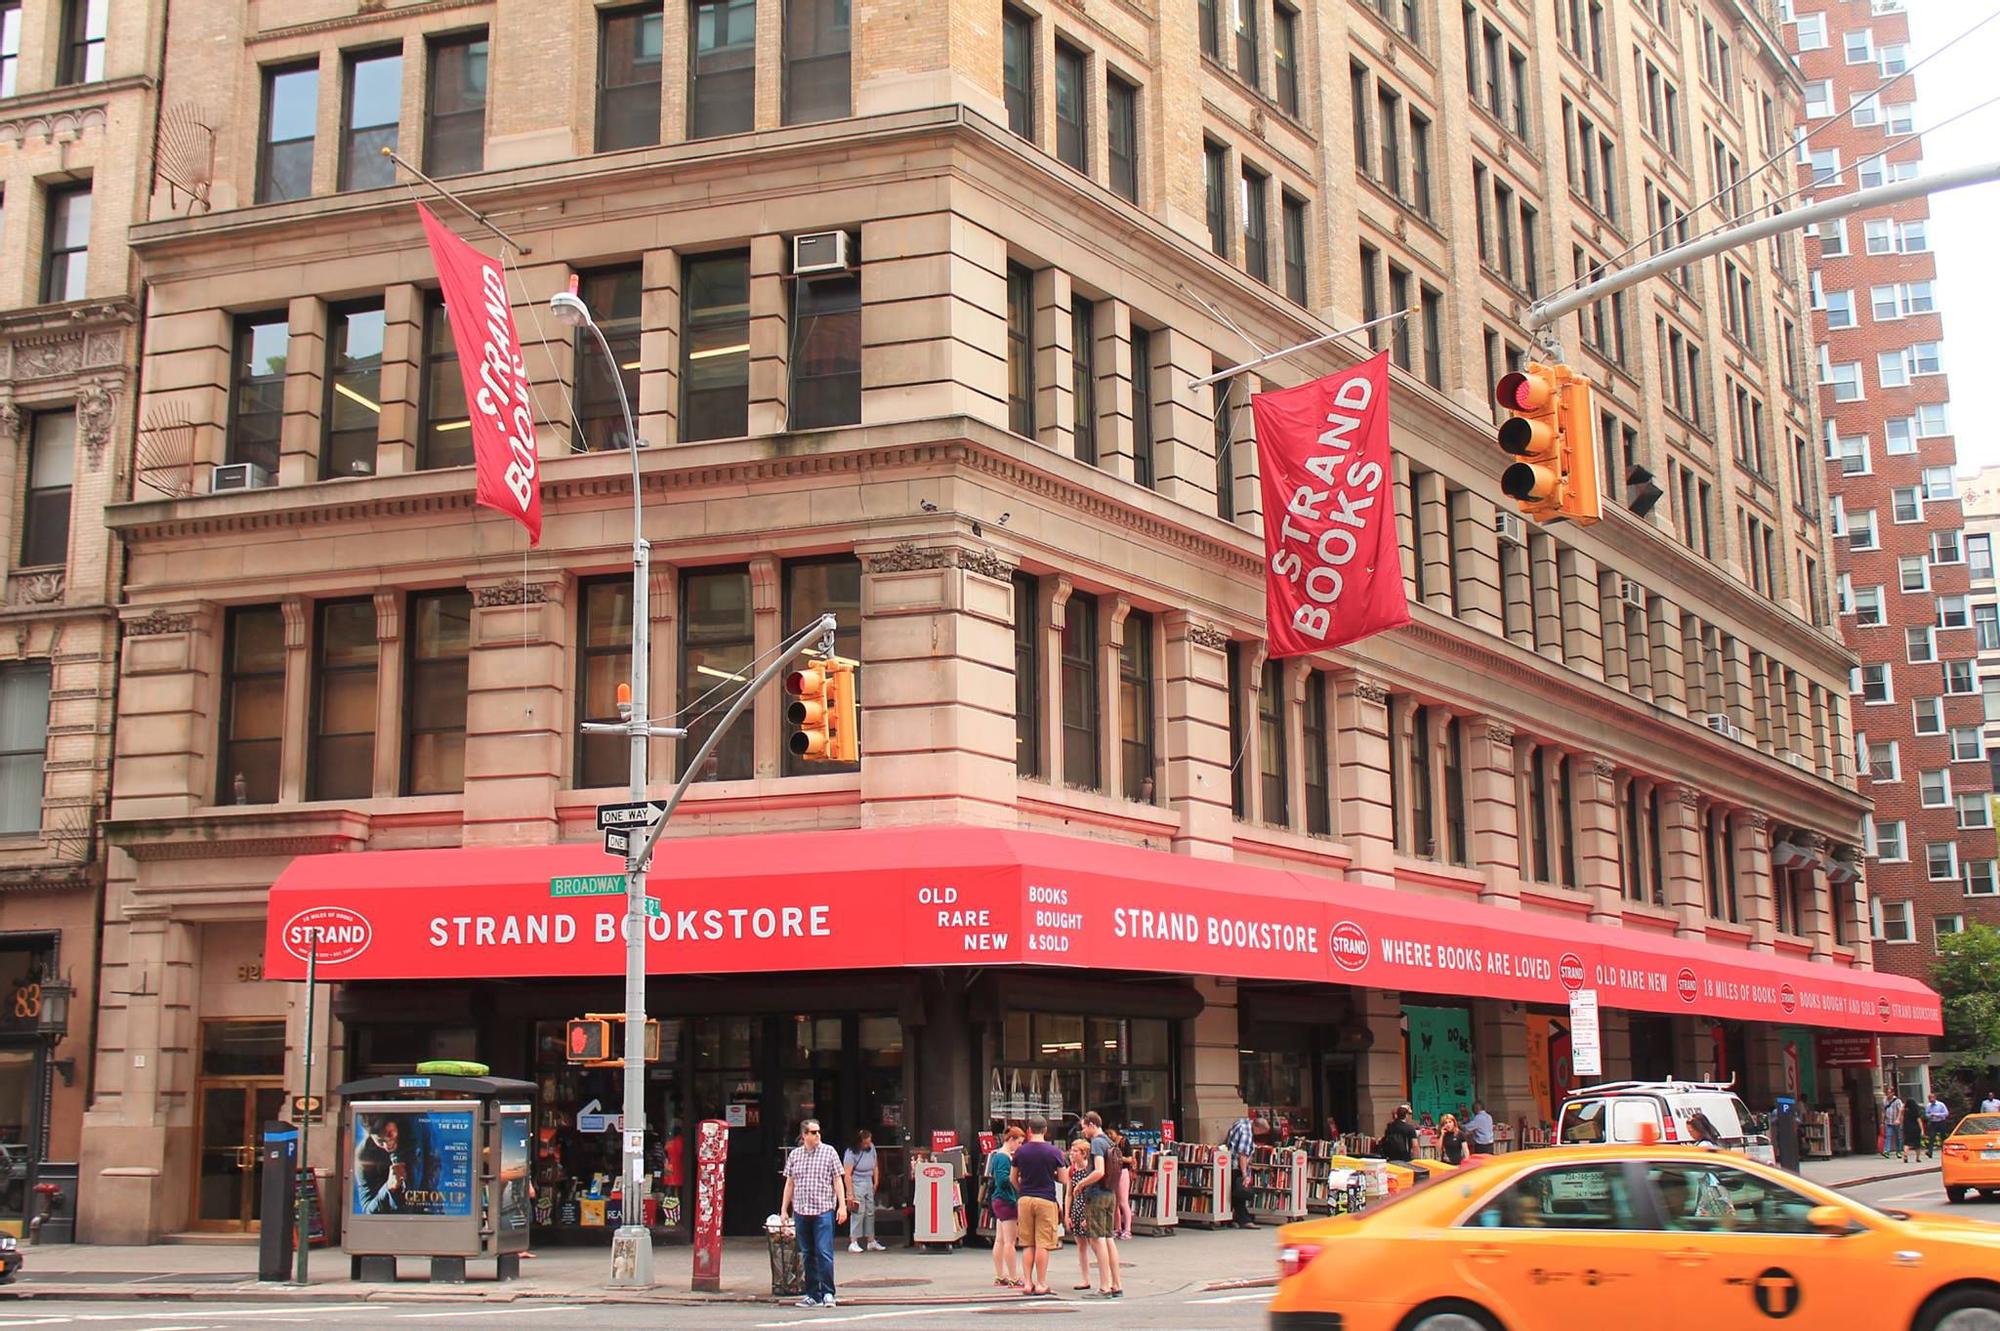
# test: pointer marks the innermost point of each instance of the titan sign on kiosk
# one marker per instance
(435, 1166)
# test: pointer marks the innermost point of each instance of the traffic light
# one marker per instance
(843, 739)
(597, 1040)
(589, 1040)
(1551, 435)
(809, 713)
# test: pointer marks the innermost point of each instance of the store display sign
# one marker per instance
(1848, 1051)
(943, 1139)
(414, 1158)
(966, 897)
(1440, 1060)
(1586, 1053)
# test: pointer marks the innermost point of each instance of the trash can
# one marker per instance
(788, 1268)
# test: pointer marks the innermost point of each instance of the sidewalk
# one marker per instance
(1851, 1171)
(900, 1276)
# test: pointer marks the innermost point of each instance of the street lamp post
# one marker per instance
(632, 1246)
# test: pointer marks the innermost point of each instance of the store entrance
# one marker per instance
(241, 1089)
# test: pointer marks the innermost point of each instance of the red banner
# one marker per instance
(962, 896)
(497, 392)
(1333, 571)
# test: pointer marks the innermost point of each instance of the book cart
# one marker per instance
(1202, 1198)
(1277, 1176)
(1155, 1182)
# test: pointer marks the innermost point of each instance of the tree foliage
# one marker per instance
(1967, 978)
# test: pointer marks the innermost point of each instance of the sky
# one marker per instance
(1964, 220)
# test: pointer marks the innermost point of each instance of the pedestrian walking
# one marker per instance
(815, 1201)
(1936, 1114)
(1991, 1104)
(1913, 1130)
(1242, 1144)
(862, 1175)
(1005, 1204)
(1892, 1125)
(1124, 1184)
(1038, 1168)
(1480, 1129)
(1100, 1198)
(1451, 1141)
(1398, 1142)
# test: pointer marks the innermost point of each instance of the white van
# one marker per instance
(1668, 1113)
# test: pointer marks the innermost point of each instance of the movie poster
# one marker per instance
(413, 1158)
(513, 1169)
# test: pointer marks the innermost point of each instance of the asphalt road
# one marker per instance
(1183, 1310)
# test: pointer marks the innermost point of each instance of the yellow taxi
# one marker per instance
(1638, 1238)
(1972, 1157)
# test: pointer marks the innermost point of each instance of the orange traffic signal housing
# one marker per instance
(843, 733)
(597, 1040)
(1550, 434)
(809, 712)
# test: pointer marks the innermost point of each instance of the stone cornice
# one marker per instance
(265, 831)
(367, 14)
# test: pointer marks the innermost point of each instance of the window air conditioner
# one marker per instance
(821, 252)
(1631, 593)
(1510, 527)
(1799, 760)
(228, 476)
(1721, 724)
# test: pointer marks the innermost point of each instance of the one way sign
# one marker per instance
(619, 843)
(642, 814)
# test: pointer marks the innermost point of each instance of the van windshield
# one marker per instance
(1583, 1123)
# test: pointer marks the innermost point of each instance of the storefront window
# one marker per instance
(1121, 1067)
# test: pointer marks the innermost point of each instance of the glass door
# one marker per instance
(241, 1089)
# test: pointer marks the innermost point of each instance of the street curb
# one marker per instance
(1885, 1178)
(256, 1294)
(1255, 1282)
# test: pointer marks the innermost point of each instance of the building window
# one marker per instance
(253, 705)
(1294, 222)
(1225, 452)
(51, 471)
(814, 587)
(1420, 837)
(717, 643)
(1083, 379)
(1079, 693)
(1027, 678)
(291, 106)
(1285, 55)
(66, 268)
(84, 25)
(1211, 28)
(1135, 708)
(1017, 70)
(1256, 238)
(257, 395)
(445, 437)
(614, 296)
(723, 68)
(1248, 64)
(1318, 757)
(353, 406)
(1893, 922)
(1274, 766)
(346, 655)
(629, 73)
(440, 653)
(1357, 91)
(24, 739)
(1941, 860)
(1121, 109)
(372, 112)
(455, 122)
(1888, 842)
(1239, 789)
(819, 41)
(715, 355)
(1020, 350)
(1720, 854)
(1215, 175)
(1072, 102)
(10, 48)
(826, 351)
(1420, 163)
(604, 661)
(1142, 407)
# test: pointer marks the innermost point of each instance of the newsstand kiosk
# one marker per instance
(435, 1166)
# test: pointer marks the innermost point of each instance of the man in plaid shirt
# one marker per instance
(1242, 1141)
(816, 1197)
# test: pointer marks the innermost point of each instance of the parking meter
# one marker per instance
(280, 1160)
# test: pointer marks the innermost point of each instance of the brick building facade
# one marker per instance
(979, 445)
(1903, 577)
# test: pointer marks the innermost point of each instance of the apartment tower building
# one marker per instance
(908, 298)
(78, 103)
(1903, 573)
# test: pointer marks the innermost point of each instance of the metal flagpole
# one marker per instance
(1271, 356)
(305, 1115)
(467, 208)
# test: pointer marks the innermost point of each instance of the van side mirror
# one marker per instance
(1832, 1220)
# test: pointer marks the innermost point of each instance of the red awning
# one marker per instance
(960, 896)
